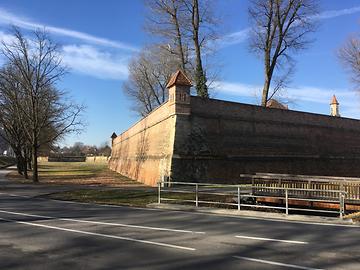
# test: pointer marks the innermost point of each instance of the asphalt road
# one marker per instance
(46, 234)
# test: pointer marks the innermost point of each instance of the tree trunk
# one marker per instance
(200, 78)
(35, 164)
(29, 157)
(180, 45)
(26, 176)
(29, 164)
(265, 91)
(19, 163)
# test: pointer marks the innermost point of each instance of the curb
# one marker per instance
(258, 215)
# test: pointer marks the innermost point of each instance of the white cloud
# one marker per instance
(88, 60)
(336, 13)
(92, 60)
(349, 100)
(242, 35)
(8, 18)
(237, 89)
(322, 95)
(6, 38)
(235, 37)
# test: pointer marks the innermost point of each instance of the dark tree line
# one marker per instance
(34, 112)
(81, 149)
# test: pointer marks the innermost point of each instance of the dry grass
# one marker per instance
(354, 216)
(78, 173)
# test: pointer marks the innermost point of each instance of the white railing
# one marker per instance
(236, 196)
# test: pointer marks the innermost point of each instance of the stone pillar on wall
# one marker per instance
(113, 137)
(179, 94)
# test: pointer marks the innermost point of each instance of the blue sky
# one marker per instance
(99, 37)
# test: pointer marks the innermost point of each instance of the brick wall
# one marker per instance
(144, 151)
(220, 140)
(192, 139)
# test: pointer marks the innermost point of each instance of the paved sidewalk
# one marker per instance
(257, 214)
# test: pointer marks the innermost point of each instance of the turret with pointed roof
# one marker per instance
(113, 136)
(334, 107)
(179, 93)
(179, 78)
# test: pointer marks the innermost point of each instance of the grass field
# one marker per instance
(78, 173)
(95, 184)
(129, 197)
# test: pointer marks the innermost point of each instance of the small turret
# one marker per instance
(334, 107)
(113, 136)
(179, 93)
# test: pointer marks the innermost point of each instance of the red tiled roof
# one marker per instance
(179, 78)
(272, 103)
(334, 100)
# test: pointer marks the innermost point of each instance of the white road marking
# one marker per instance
(14, 195)
(103, 223)
(100, 234)
(271, 239)
(276, 263)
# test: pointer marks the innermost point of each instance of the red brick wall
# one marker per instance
(144, 151)
(220, 140)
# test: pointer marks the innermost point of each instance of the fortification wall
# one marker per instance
(221, 139)
(144, 151)
(97, 159)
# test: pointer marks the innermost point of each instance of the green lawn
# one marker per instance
(131, 197)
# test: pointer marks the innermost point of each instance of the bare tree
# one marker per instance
(349, 54)
(166, 19)
(44, 112)
(149, 72)
(201, 30)
(187, 27)
(280, 28)
(10, 117)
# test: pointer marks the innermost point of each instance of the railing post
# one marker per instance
(238, 195)
(159, 192)
(342, 204)
(287, 201)
(196, 195)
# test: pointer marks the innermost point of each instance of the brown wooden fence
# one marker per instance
(324, 184)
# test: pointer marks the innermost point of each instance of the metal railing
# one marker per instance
(239, 196)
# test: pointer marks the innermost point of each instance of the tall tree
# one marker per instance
(187, 27)
(10, 117)
(166, 19)
(201, 30)
(349, 54)
(280, 28)
(45, 112)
